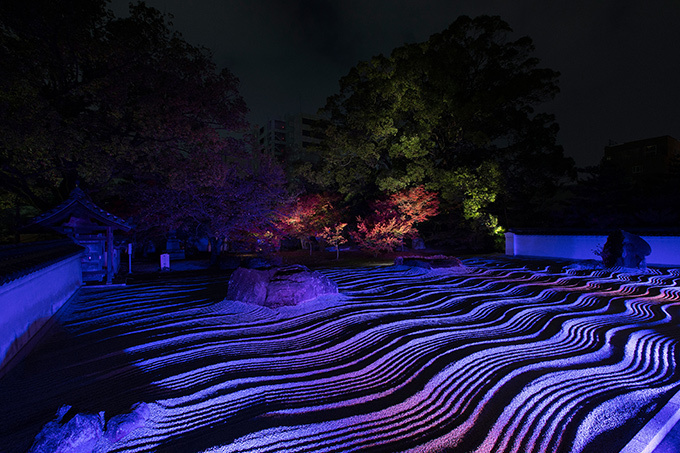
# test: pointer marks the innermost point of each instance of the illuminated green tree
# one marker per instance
(454, 113)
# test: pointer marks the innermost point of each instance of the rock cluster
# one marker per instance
(87, 433)
(624, 249)
(278, 287)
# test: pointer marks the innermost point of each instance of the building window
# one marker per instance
(637, 169)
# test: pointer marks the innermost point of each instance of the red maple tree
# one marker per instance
(308, 217)
(335, 236)
(416, 204)
(395, 218)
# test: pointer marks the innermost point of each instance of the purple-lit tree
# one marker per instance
(104, 100)
(219, 193)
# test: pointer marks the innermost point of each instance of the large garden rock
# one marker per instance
(635, 250)
(624, 249)
(277, 287)
(87, 433)
(121, 425)
(80, 434)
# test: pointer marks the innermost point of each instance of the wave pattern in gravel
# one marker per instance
(495, 357)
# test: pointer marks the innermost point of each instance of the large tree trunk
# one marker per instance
(215, 250)
(17, 223)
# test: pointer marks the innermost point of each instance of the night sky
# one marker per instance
(619, 59)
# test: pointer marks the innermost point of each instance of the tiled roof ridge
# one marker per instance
(19, 260)
(77, 195)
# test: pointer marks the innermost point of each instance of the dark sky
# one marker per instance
(619, 59)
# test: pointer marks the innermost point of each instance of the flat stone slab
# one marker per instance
(429, 262)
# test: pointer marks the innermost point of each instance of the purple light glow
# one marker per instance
(488, 358)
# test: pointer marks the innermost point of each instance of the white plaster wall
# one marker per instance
(558, 246)
(27, 303)
(510, 244)
(665, 249)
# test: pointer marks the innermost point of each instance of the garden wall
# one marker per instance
(580, 246)
(28, 302)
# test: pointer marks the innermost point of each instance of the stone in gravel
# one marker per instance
(278, 287)
(80, 434)
(121, 425)
(624, 249)
(87, 433)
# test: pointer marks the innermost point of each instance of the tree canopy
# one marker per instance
(455, 113)
(217, 194)
(104, 100)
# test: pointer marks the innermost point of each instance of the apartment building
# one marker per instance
(641, 159)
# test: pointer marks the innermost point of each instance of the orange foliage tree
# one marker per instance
(335, 236)
(395, 218)
(308, 217)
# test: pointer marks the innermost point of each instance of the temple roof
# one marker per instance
(79, 211)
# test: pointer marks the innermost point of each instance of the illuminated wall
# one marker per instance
(665, 249)
(27, 303)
